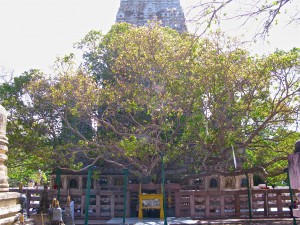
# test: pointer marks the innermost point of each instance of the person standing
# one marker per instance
(44, 201)
(72, 208)
(57, 215)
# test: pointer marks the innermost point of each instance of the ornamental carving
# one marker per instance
(139, 12)
(229, 183)
(4, 187)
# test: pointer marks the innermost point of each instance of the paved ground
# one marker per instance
(188, 221)
(180, 221)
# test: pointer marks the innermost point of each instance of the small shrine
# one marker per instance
(150, 202)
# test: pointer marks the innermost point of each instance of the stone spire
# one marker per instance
(3, 149)
(9, 207)
(139, 12)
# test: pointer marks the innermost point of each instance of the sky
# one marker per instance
(34, 32)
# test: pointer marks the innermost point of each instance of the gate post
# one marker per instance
(177, 204)
(249, 197)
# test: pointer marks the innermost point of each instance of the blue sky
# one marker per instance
(35, 32)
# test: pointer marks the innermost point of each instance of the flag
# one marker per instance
(234, 158)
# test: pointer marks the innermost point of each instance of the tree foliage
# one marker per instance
(28, 142)
(153, 91)
(149, 92)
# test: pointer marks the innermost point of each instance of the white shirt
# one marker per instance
(57, 214)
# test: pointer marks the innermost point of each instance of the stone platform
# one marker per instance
(189, 221)
(9, 207)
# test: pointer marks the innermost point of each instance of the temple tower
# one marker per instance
(138, 12)
(9, 206)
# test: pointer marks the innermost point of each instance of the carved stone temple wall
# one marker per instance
(9, 207)
(138, 12)
(294, 167)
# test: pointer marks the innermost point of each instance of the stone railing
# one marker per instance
(226, 204)
(105, 204)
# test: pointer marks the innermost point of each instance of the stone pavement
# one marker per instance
(189, 221)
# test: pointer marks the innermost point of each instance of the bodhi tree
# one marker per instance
(127, 115)
(150, 92)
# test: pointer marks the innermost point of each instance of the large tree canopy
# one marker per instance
(149, 92)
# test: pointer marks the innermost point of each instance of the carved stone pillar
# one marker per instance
(80, 183)
(9, 206)
(3, 149)
(64, 182)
